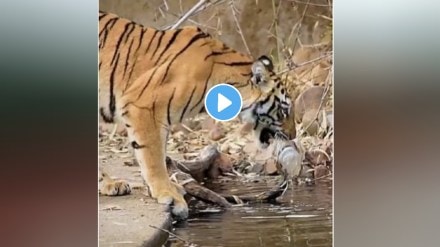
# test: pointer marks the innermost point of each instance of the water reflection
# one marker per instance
(302, 218)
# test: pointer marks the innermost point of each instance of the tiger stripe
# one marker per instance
(127, 59)
(169, 107)
(121, 37)
(170, 42)
(158, 43)
(112, 104)
(141, 36)
(235, 63)
(105, 31)
(151, 41)
(146, 84)
(218, 53)
(193, 40)
(187, 104)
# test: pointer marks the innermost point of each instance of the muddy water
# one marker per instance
(302, 218)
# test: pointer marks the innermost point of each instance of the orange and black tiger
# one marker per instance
(150, 79)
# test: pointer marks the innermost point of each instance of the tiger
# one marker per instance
(151, 79)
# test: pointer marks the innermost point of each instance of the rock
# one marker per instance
(308, 100)
(216, 133)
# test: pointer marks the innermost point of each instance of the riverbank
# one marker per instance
(132, 220)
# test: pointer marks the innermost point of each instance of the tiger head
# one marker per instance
(267, 111)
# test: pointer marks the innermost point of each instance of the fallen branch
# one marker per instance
(265, 197)
(207, 167)
(191, 186)
(189, 174)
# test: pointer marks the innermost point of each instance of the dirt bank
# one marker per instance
(126, 220)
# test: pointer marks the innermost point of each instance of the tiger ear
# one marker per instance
(260, 69)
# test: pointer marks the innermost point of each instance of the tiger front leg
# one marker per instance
(148, 139)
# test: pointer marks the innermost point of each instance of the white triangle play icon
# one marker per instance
(222, 102)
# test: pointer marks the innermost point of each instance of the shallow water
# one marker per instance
(302, 218)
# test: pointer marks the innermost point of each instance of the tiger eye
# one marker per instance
(282, 91)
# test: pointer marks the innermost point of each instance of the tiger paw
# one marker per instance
(172, 195)
(115, 188)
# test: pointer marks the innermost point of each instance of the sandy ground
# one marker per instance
(127, 220)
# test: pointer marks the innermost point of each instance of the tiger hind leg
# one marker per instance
(148, 139)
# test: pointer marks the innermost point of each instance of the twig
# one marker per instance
(275, 24)
(193, 21)
(280, 216)
(299, 27)
(322, 177)
(312, 4)
(234, 14)
(266, 196)
(113, 133)
(187, 128)
(200, 6)
(166, 5)
(305, 63)
(172, 234)
(215, 3)
(330, 5)
(325, 17)
(189, 13)
(316, 45)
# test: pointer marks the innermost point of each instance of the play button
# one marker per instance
(223, 102)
